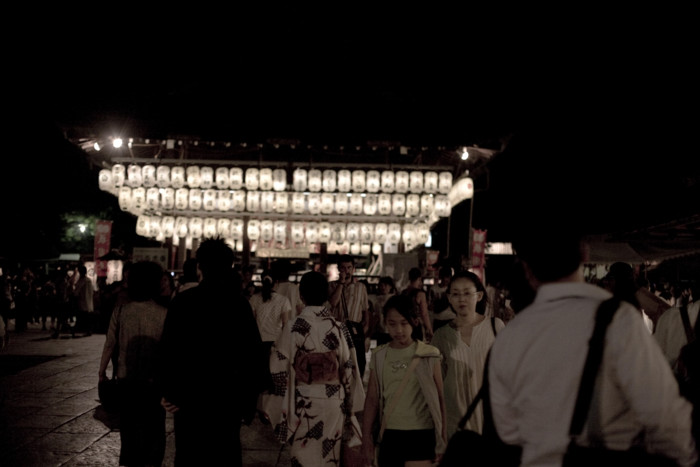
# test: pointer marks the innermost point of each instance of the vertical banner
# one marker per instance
(103, 235)
(479, 254)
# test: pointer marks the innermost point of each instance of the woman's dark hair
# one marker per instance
(414, 273)
(313, 288)
(144, 280)
(403, 304)
(267, 285)
(215, 257)
(474, 279)
(388, 280)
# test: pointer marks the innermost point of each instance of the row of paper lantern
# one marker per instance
(267, 179)
(281, 231)
(138, 200)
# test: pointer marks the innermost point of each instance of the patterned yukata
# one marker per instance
(312, 418)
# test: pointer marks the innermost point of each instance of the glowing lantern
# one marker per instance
(252, 179)
(168, 226)
(223, 227)
(394, 233)
(235, 178)
(299, 180)
(353, 232)
(138, 199)
(182, 196)
(266, 179)
(380, 232)
(401, 184)
(370, 205)
(384, 204)
(312, 232)
(209, 227)
(327, 203)
(329, 180)
(252, 201)
(105, 180)
(135, 176)
(298, 203)
(177, 177)
(314, 203)
(338, 232)
(366, 232)
(163, 176)
(413, 205)
(415, 182)
(167, 198)
(376, 249)
(422, 232)
(142, 225)
(181, 226)
(148, 175)
(344, 180)
(253, 229)
(207, 178)
(267, 201)
(297, 232)
(195, 201)
(152, 198)
(374, 181)
(223, 200)
(387, 181)
(118, 175)
(365, 248)
(279, 180)
(324, 232)
(237, 229)
(280, 231)
(341, 203)
(358, 181)
(408, 235)
(427, 205)
(266, 230)
(355, 249)
(238, 201)
(444, 182)
(209, 199)
(222, 178)
(356, 204)
(281, 203)
(315, 180)
(430, 182)
(442, 206)
(194, 177)
(195, 227)
(398, 204)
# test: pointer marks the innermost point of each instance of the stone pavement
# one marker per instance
(50, 414)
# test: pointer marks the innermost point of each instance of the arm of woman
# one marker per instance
(109, 346)
(369, 417)
(439, 384)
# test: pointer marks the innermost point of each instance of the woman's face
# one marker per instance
(399, 328)
(464, 296)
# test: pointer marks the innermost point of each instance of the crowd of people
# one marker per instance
(300, 351)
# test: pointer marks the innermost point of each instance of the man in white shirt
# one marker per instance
(537, 360)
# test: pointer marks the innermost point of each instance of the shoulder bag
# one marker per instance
(577, 455)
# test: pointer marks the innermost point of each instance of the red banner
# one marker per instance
(103, 235)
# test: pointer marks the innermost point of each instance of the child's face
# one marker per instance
(399, 328)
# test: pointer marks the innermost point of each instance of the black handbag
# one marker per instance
(468, 447)
(108, 393)
(577, 455)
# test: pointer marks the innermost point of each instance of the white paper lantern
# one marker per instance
(188, 242)
(299, 180)
(355, 249)
(223, 200)
(442, 206)
(312, 232)
(281, 203)
(207, 177)
(356, 204)
(415, 182)
(238, 200)
(324, 232)
(430, 182)
(209, 227)
(344, 181)
(195, 199)
(338, 232)
(444, 182)
(195, 227)
(279, 180)
(266, 230)
(223, 227)
(408, 235)
(380, 232)
(168, 226)
(209, 199)
(167, 198)
(181, 226)
(148, 175)
(297, 232)
(252, 201)
(329, 180)
(138, 199)
(142, 225)
(394, 233)
(314, 202)
(315, 180)
(194, 177)
(280, 231)
(369, 206)
(177, 177)
(401, 183)
(253, 229)
(384, 204)
(365, 248)
(266, 179)
(327, 203)
(298, 203)
(163, 176)
(118, 175)
(422, 233)
(373, 181)
(235, 178)
(387, 181)
(237, 229)
(352, 232)
(367, 232)
(427, 205)
(134, 176)
(221, 178)
(239, 245)
(341, 203)
(376, 249)
(182, 198)
(152, 198)
(398, 204)
(358, 181)
(252, 179)
(267, 201)
(105, 180)
(413, 205)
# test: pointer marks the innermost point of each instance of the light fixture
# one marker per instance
(465, 153)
